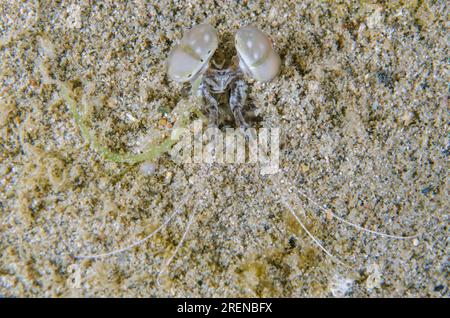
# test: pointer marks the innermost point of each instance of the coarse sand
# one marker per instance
(361, 104)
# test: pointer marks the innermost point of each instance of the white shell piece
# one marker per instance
(257, 57)
(191, 56)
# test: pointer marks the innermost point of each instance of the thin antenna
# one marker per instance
(318, 243)
(183, 238)
(330, 212)
(92, 256)
(164, 224)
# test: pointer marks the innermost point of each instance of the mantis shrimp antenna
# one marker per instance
(315, 240)
(169, 260)
(139, 242)
(321, 208)
(282, 191)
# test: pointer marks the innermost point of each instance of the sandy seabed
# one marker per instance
(361, 103)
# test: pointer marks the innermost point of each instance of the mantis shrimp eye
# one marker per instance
(257, 58)
(190, 57)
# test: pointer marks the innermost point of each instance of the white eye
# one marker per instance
(192, 54)
(257, 57)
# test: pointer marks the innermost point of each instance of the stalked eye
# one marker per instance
(257, 58)
(189, 57)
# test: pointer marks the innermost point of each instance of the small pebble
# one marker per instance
(148, 168)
